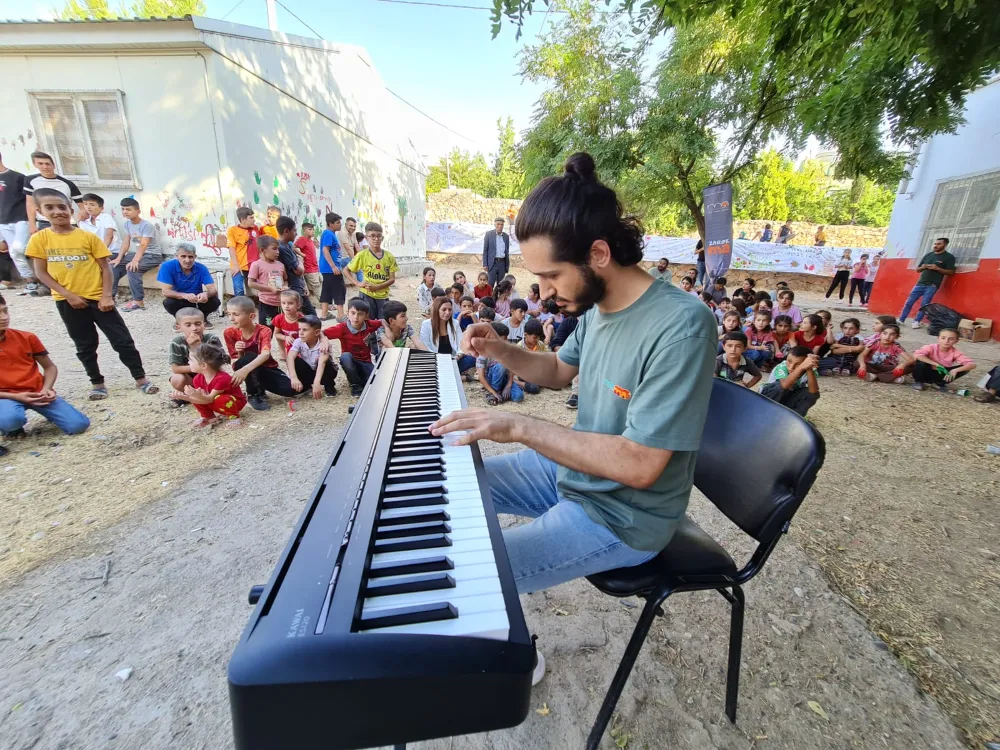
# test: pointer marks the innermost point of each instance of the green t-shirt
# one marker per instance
(645, 374)
(180, 352)
(945, 260)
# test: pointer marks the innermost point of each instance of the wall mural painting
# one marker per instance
(182, 221)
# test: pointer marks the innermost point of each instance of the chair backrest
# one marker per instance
(757, 459)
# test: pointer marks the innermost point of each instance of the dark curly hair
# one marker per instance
(574, 210)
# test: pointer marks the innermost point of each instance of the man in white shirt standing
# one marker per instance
(99, 223)
(348, 239)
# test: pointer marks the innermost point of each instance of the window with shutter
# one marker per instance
(963, 211)
(87, 134)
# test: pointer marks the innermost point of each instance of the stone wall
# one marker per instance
(459, 204)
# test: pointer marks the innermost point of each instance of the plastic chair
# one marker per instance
(758, 486)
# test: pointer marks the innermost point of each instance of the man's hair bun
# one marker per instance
(581, 165)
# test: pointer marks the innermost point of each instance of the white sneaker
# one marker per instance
(539, 672)
(915, 325)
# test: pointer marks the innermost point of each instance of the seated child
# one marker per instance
(504, 295)
(455, 294)
(730, 323)
(793, 382)
(487, 314)
(515, 323)
(396, 331)
(687, 285)
(828, 327)
(495, 378)
(880, 322)
(884, 360)
(532, 341)
(844, 351)
(286, 323)
(784, 337)
(190, 323)
(718, 290)
(509, 278)
(214, 393)
(466, 312)
(482, 287)
(249, 345)
(424, 291)
(23, 387)
(706, 297)
(989, 394)
(534, 300)
(308, 361)
(722, 308)
(459, 278)
(356, 354)
(939, 364)
(550, 318)
(760, 339)
(811, 333)
(732, 365)
(740, 306)
(785, 307)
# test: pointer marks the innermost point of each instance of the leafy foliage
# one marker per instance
(508, 173)
(504, 180)
(856, 71)
(96, 9)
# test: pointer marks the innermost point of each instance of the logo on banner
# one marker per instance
(711, 207)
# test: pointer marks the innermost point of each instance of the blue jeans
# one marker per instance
(146, 262)
(561, 542)
(466, 362)
(701, 273)
(356, 371)
(496, 376)
(13, 416)
(924, 291)
(757, 356)
(238, 287)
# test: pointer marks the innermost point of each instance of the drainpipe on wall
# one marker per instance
(909, 182)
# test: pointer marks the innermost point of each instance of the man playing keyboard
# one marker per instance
(609, 492)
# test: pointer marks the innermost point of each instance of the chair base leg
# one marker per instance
(649, 613)
(737, 603)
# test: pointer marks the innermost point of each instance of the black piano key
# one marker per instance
(423, 450)
(404, 477)
(412, 529)
(407, 461)
(428, 439)
(430, 541)
(420, 517)
(409, 567)
(411, 584)
(415, 501)
(388, 618)
(421, 463)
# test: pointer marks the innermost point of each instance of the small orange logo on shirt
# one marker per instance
(623, 393)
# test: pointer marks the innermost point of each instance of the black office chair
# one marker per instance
(758, 484)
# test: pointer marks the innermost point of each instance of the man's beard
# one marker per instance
(593, 292)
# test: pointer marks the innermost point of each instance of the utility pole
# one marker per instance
(272, 15)
(447, 166)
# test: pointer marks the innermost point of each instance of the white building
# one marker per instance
(196, 117)
(953, 191)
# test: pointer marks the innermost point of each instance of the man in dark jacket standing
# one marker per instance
(496, 253)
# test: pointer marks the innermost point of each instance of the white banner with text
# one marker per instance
(467, 238)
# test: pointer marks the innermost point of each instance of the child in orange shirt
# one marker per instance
(23, 387)
(239, 238)
(213, 393)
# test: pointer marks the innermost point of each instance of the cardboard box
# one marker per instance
(980, 329)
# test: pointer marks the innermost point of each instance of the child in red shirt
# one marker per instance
(811, 333)
(885, 360)
(354, 336)
(213, 393)
(305, 244)
(483, 288)
(286, 323)
(249, 345)
(760, 339)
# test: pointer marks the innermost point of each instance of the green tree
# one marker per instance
(759, 192)
(467, 171)
(93, 9)
(594, 96)
(508, 173)
(858, 70)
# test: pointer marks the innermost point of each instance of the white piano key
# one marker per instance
(456, 548)
(474, 594)
(484, 570)
(493, 625)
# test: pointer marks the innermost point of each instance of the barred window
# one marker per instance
(963, 211)
(86, 132)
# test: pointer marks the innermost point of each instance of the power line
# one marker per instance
(436, 122)
(230, 11)
(435, 5)
(318, 35)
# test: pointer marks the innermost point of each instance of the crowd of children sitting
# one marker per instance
(756, 336)
(759, 332)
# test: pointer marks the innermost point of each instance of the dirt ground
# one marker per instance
(899, 521)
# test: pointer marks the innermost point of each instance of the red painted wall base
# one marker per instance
(975, 294)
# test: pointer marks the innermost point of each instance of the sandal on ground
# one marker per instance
(492, 400)
(985, 398)
(97, 393)
(132, 306)
(148, 388)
